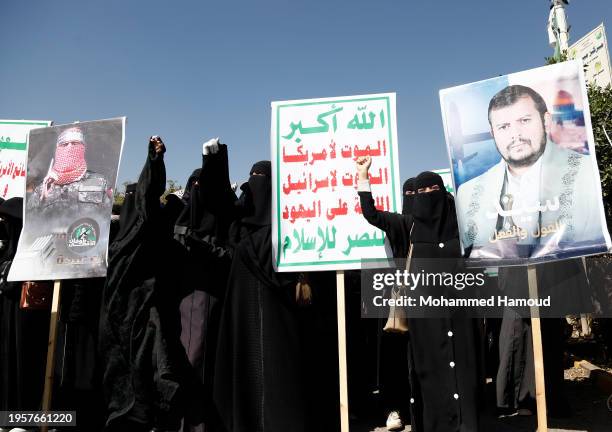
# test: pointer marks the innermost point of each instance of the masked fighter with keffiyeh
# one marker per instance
(68, 184)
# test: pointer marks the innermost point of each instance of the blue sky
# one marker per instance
(192, 70)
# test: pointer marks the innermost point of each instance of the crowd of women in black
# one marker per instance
(193, 330)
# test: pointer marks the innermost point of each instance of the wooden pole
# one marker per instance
(538, 354)
(344, 406)
(584, 323)
(46, 401)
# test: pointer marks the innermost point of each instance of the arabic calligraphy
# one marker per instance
(366, 122)
(12, 169)
(323, 125)
(324, 239)
(549, 206)
(518, 233)
(315, 181)
(347, 152)
(302, 212)
(364, 241)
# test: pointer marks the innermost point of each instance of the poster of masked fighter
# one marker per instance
(71, 175)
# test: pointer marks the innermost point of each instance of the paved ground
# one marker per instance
(590, 414)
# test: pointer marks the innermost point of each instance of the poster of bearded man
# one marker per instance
(71, 175)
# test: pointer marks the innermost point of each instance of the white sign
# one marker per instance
(317, 222)
(13, 139)
(592, 49)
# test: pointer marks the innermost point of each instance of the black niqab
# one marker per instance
(208, 198)
(23, 334)
(408, 203)
(257, 195)
(433, 220)
(191, 200)
(127, 215)
(11, 212)
(146, 375)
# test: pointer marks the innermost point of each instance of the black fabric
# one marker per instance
(128, 214)
(257, 196)
(171, 211)
(202, 230)
(209, 201)
(408, 202)
(396, 226)
(567, 285)
(433, 382)
(114, 230)
(258, 369)
(114, 225)
(186, 216)
(147, 377)
(515, 383)
(564, 281)
(263, 375)
(262, 167)
(394, 373)
(11, 212)
(78, 378)
(23, 333)
(393, 369)
(434, 221)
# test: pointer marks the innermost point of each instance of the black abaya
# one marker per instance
(567, 284)
(23, 333)
(258, 374)
(202, 229)
(443, 351)
(147, 376)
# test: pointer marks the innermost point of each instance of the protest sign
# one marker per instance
(317, 222)
(13, 137)
(523, 162)
(71, 175)
(592, 50)
(447, 178)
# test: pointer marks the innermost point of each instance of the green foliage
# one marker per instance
(118, 197)
(561, 57)
(600, 103)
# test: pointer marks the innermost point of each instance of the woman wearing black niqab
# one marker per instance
(23, 334)
(257, 377)
(409, 192)
(147, 377)
(202, 229)
(393, 368)
(443, 360)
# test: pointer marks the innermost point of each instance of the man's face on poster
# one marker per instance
(520, 132)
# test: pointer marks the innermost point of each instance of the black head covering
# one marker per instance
(11, 212)
(257, 195)
(116, 209)
(128, 211)
(207, 198)
(114, 225)
(408, 203)
(434, 220)
(192, 213)
(193, 178)
(262, 167)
